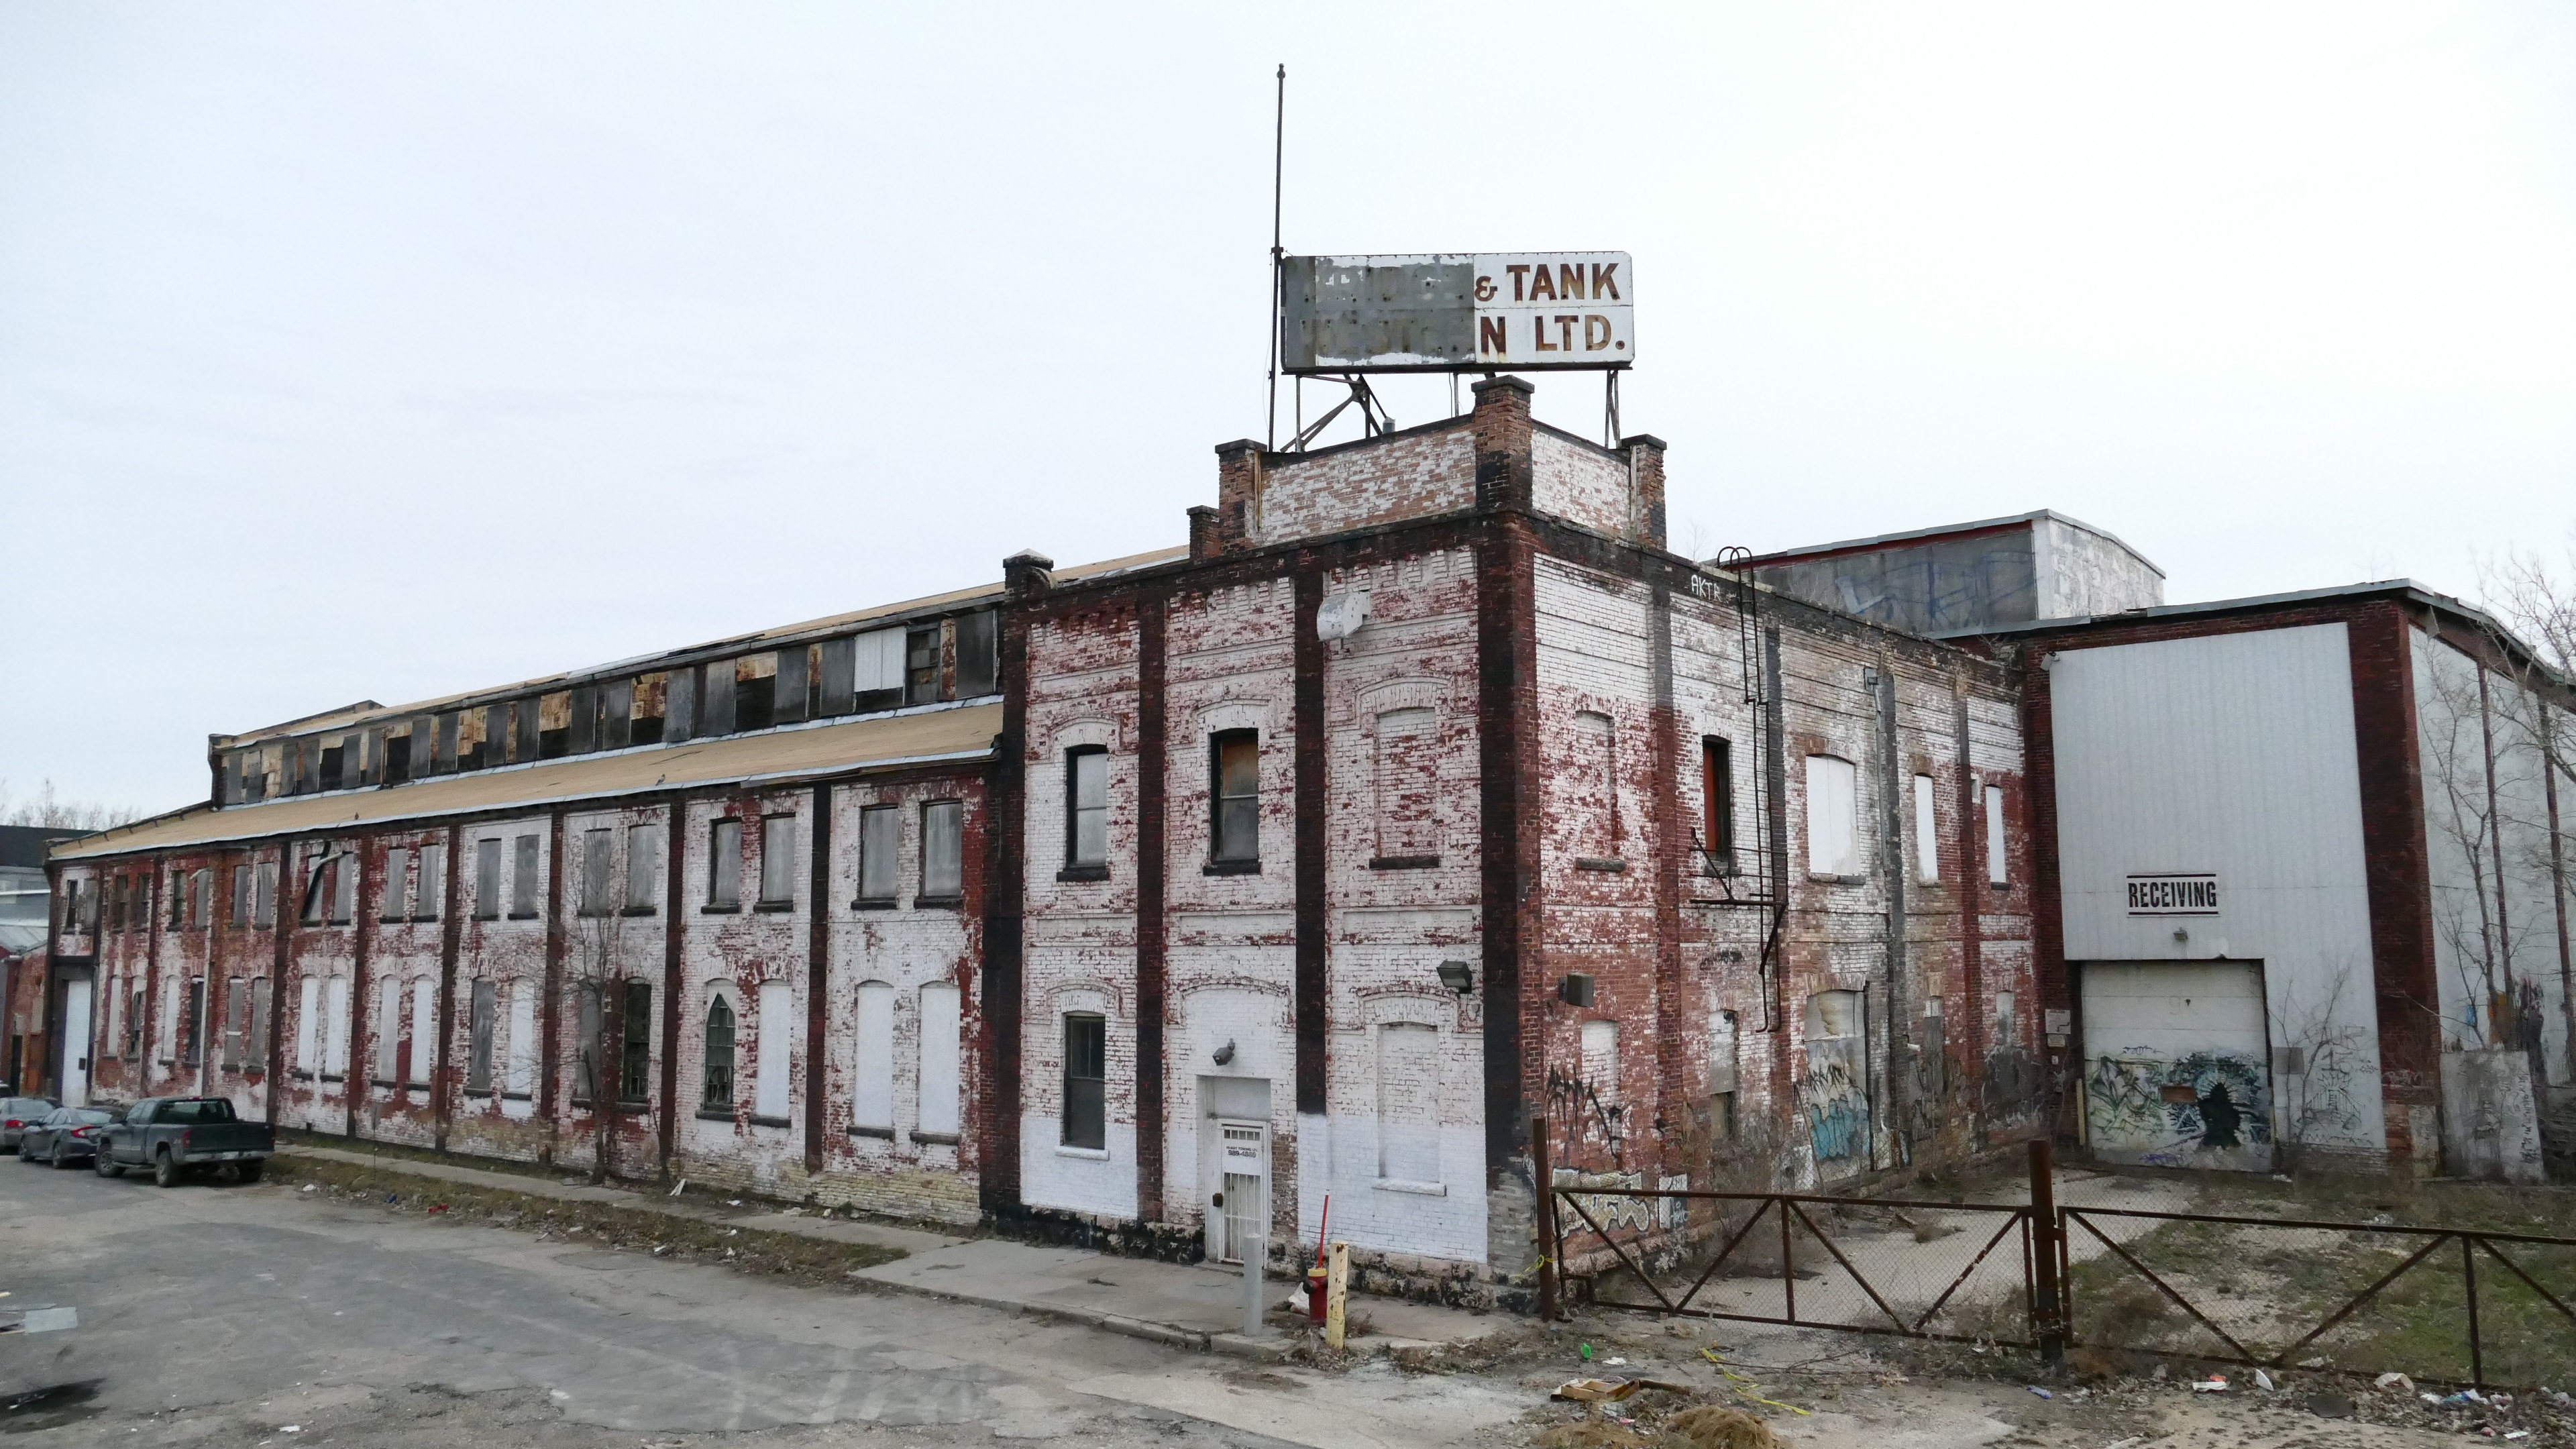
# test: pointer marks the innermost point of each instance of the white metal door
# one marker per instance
(1245, 1156)
(2177, 1067)
(75, 1043)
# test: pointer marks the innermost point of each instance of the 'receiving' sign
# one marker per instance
(1458, 312)
(2173, 895)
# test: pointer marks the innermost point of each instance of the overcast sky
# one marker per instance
(380, 352)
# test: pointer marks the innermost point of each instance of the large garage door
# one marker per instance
(2176, 1066)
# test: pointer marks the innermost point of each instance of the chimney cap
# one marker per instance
(1239, 445)
(1649, 440)
(1506, 382)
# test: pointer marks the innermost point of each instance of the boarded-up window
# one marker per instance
(255, 1046)
(479, 1022)
(344, 886)
(780, 1033)
(584, 719)
(433, 884)
(1408, 1102)
(792, 693)
(943, 850)
(977, 671)
(397, 883)
(1834, 1096)
(1591, 789)
(241, 898)
(715, 1085)
(834, 692)
(680, 707)
(1833, 816)
(236, 1021)
(389, 1005)
(877, 666)
(938, 1113)
(1721, 1051)
(778, 860)
(469, 742)
(1601, 1060)
(521, 1080)
(487, 879)
(643, 866)
(1998, 860)
(554, 724)
(308, 1024)
(523, 877)
(595, 848)
(872, 1091)
(335, 1028)
(263, 896)
(1934, 1058)
(880, 844)
(1927, 833)
(586, 1066)
(1406, 790)
(424, 1031)
(724, 865)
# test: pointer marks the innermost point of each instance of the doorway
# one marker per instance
(2177, 1067)
(1234, 1162)
(76, 1002)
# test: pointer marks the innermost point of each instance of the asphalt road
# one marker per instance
(220, 1315)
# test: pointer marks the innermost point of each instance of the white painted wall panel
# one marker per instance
(2234, 754)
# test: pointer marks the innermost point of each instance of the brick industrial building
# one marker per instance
(1423, 795)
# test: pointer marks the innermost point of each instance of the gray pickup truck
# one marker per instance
(176, 1135)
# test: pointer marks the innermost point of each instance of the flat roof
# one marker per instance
(2404, 588)
(1983, 525)
(936, 735)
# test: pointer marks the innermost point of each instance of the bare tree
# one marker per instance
(2332, 1056)
(48, 810)
(2536, 603)
(595, 974)
(2462, 809)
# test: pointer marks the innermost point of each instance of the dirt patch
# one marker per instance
(607, 1227)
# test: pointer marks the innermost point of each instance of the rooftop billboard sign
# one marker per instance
(1458, 312)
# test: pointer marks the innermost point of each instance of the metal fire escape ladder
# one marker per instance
(1765, 887)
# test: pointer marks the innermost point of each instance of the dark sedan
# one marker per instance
(65, 1136)
(17, 1114)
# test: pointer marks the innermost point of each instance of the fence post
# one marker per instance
(1545, 1177)
(2046, 1325)
(2469, 1281)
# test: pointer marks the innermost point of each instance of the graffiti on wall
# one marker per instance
(1837, 1111)
(1609, 1212)
(2013, 1085)
(2210, 1109)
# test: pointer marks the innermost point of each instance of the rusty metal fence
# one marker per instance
(2459, 1305)
(2442, 1304)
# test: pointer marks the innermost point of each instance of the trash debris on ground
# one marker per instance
(1606, 1391)
(2330, 1406)
(2036, 1389)
(1744, 1387)
(2399, 1382)
(2214, 1384)
(2263, 1381)
(2313, 1363)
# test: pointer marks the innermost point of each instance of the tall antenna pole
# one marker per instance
(1278, 158)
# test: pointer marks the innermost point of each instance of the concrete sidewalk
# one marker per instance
(1186, 1305)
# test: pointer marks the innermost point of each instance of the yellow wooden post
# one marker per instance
(1337, 1294)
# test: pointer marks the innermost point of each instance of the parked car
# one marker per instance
(16, 1113)
(64, 1136)
(176, 1135)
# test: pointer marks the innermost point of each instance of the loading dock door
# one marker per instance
(2177, 1066)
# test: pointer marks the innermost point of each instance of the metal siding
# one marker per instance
(2236, 754)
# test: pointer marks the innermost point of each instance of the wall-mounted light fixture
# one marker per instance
(1225, 1053)
(1457, 976)
(1575, 989)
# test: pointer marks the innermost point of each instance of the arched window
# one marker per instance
(718, 1096)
